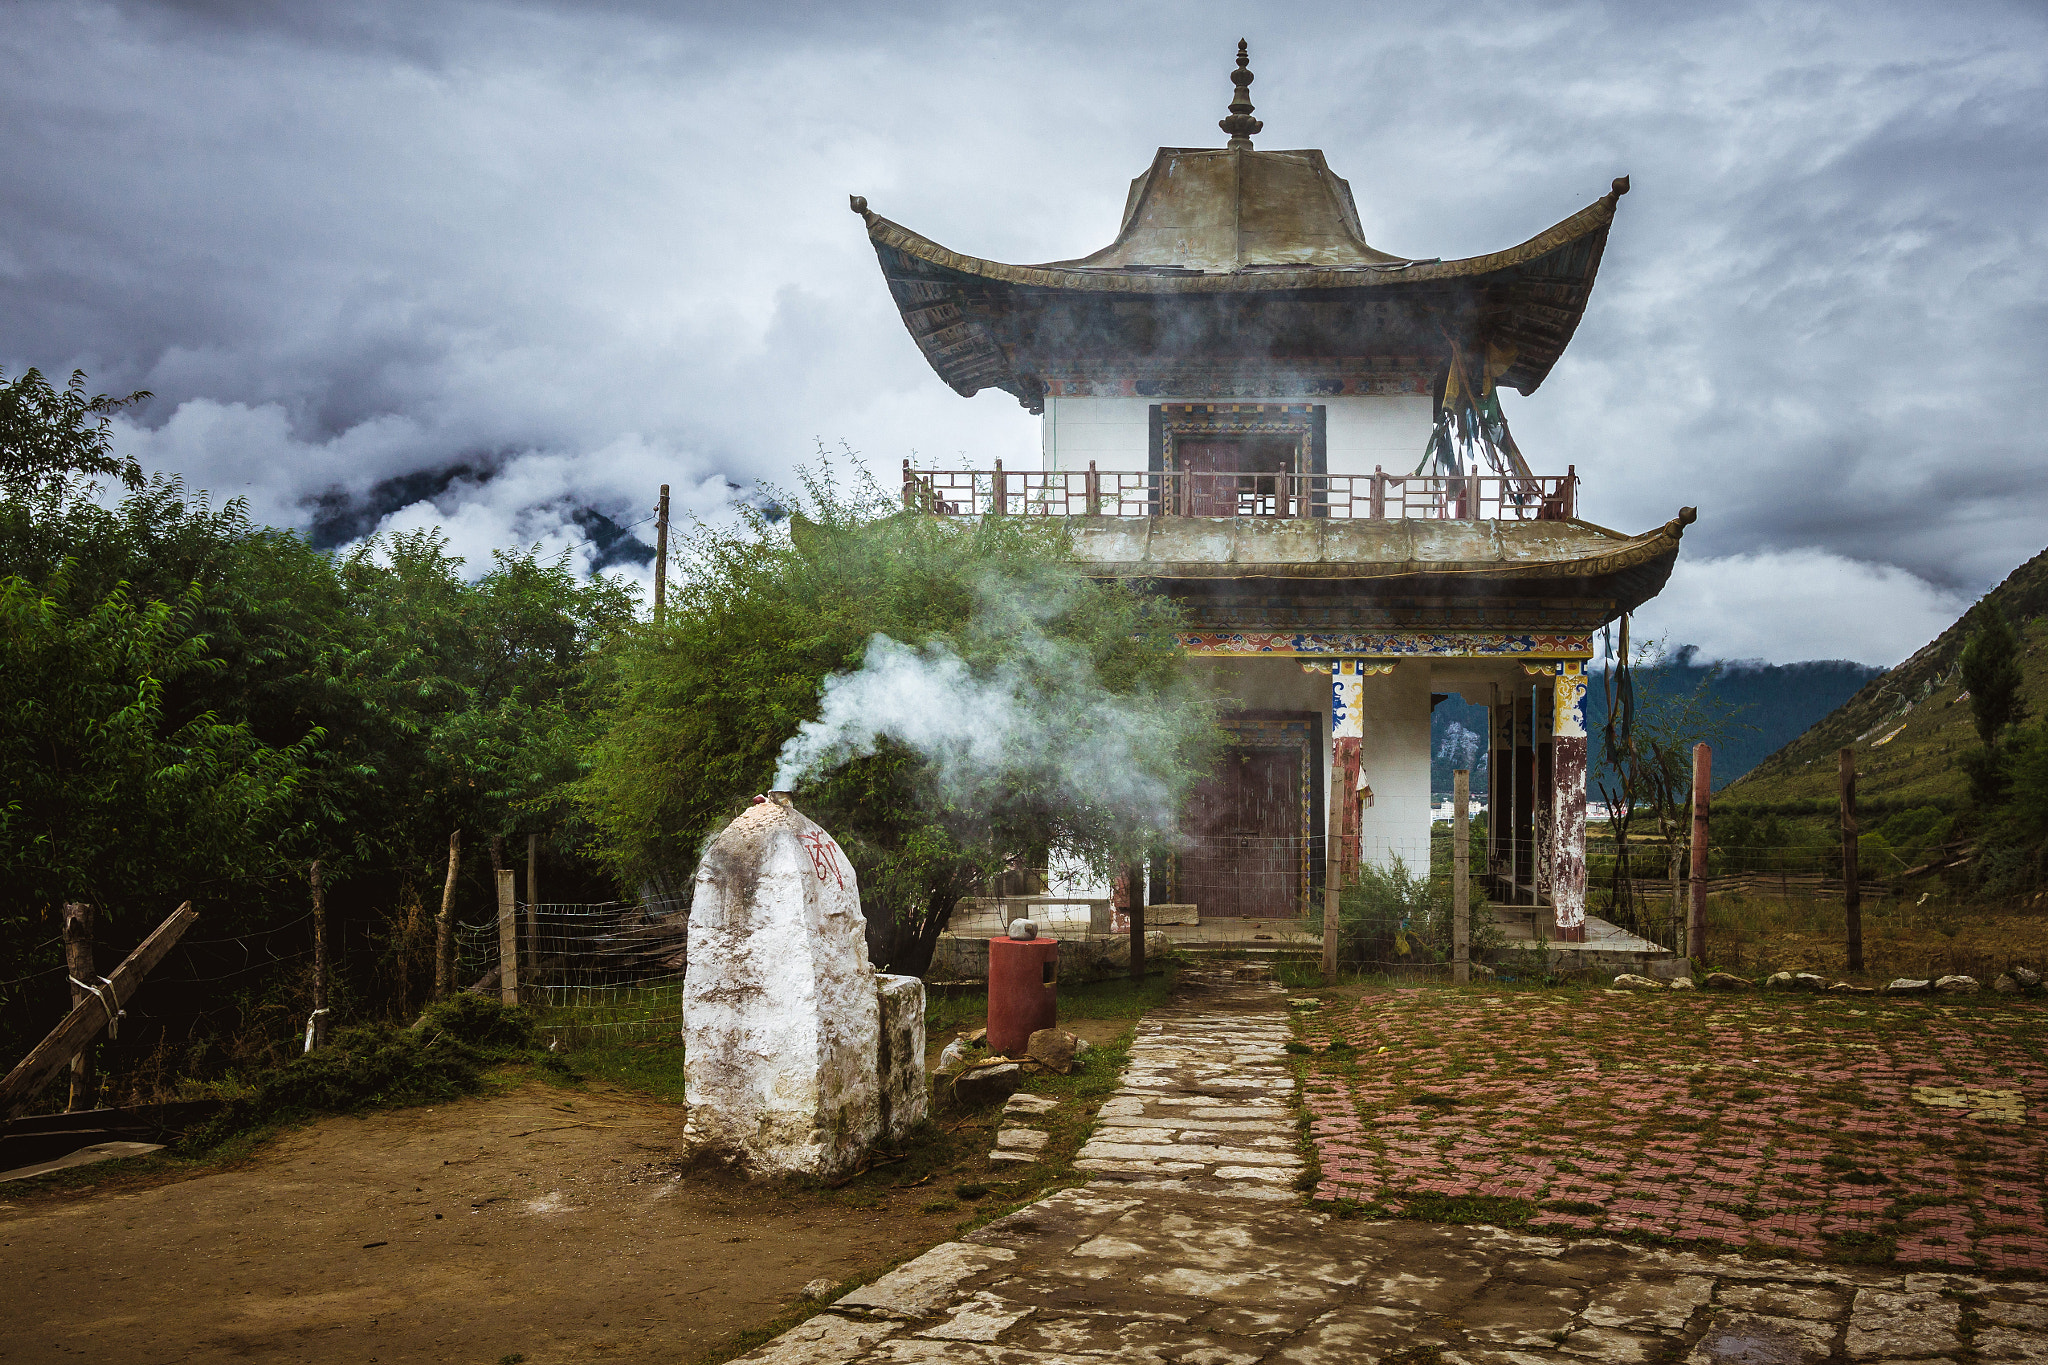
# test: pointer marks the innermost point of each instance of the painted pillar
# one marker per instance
(1500, 795)
(1568, 801)
(1347, 737)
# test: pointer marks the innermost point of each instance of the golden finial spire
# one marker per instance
(1241, 125)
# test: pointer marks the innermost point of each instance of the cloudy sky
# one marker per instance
(504, 268)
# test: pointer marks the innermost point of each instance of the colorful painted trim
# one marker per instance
(1396, 644)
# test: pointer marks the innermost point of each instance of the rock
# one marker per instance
(1725, 981)
(1682, 983)
(1304, 1002)
(781, 1011)
(816, 1289)
(1030, 1104)
(1957, 985)
(1808, 981)
(2005, 985)
(2026, 976)
(1884, 1324)
(1906, 985)
(899, 1054)
(978, 1038)
(1778, 981)
(1023, 930)
(953, 1057)
(987, 1083)
(1081, 1046)
(1054, 1049)
(1850, 988)
(1629, 981)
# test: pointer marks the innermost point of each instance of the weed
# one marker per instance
(970, 1190)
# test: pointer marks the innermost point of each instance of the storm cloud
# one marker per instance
(505, 268)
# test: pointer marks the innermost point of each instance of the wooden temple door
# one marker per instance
(1242, 476)
(1243, 856)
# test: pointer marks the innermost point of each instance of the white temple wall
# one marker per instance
(1364, 430)
(1395, 757)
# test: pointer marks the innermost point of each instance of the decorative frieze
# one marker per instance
(1399, 644)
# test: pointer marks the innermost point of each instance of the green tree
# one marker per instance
(49, 434)
(111, 797)
(1992, 675)
(772, 627)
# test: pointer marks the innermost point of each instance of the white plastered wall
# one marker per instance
(1364, 431)
(1395, 757)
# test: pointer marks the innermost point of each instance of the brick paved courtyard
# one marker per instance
(1858, 1128)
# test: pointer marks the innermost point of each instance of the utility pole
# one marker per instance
(1696, 914)
(1852, 894)
(660, 567)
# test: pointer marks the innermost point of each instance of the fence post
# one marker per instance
(1094, 491)
(316, 1026)
(1571, 491)
(1333, 863)
(1134, 913)
(508, 939)
(909, 489)
(444, 923)
(1461, 878)
(1852, 895)
(78, 961)
(1696, 914)
(533, 900)
(1379, 492)
(1001, 494)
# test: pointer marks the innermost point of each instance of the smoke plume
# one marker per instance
(1029, 725)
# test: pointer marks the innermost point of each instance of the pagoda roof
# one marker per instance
(988, 324)
(1223, 210)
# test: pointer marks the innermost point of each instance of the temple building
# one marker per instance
(1297, 436)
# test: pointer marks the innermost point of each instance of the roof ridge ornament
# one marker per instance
(1241, 125)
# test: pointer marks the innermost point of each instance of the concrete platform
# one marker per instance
(1607, 949)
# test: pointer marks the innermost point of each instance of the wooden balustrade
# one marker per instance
(1181, 493)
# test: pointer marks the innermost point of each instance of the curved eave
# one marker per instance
(1464, 557)
(1531, 296)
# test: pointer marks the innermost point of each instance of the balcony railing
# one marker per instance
(1180, 493)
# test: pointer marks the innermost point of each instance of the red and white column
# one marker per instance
(1347, 741)
(1568, 801)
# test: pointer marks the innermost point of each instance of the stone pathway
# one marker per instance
(1192, 1246)
(1203, 1108)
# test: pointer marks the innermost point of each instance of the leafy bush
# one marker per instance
(1392, 917)
(441, 1057)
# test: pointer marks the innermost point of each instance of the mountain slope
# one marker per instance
(1908, 725)
(1773, 703)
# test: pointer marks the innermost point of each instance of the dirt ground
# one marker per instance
(548, 1223)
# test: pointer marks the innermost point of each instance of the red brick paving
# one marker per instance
(1724, 1119)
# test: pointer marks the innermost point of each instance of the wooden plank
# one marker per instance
(86, 1020)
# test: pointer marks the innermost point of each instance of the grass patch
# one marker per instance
(1498, 1210)
(654, 1067)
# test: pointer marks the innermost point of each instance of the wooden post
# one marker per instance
(1000, 492)
(1461, 878)
(316, 1026)
(85, 1021)
(508, 938)
(1134, 913)
(533, 901)
(661, 557)
(78, 961)
(1696, 912)
(444, 923)
(1094, 490)
(1379, 492)
(1852, 894)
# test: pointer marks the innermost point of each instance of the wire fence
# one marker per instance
(607, 972)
